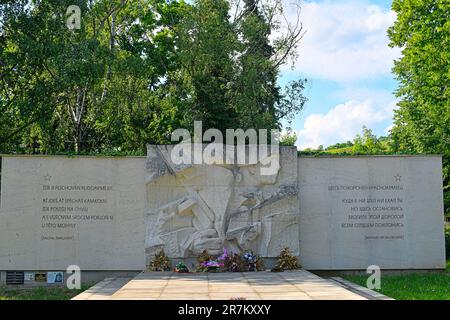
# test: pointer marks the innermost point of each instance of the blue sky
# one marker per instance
(346, 59)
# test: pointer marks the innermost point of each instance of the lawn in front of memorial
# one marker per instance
(39, 293)
(414, 286)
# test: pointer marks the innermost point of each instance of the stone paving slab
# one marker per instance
(291, 285)
(103, 290)
(285, 296)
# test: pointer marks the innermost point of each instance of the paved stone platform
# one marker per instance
(103, 290)
(292, 285)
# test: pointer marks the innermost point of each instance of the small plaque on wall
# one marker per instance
(55, 277)
(40, 277)
(29, 276)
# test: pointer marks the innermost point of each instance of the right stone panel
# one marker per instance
(360, 211)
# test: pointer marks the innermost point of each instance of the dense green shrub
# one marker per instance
(447, 242)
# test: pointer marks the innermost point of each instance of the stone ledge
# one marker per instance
(370, 294)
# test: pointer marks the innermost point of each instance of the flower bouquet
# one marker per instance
(232, 261)
(212, 266)
(250, 260)
(181, 268)
(203, 257)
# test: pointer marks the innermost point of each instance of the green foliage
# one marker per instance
(135, 71)
(84, 90)
(289, 139)
(255, 94)
(341, 145)
(447, 242)
(41, 293)
(366, 143)
(422, 121)
(414, 286)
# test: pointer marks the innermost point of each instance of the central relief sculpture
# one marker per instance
(191, 208)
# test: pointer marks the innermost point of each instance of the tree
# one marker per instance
(229, 68)
(288, 139)
(256, 90)
(422, 121)
(205, 46)
(367, 143)
(258, 99)
(84, 90)
(137, 70)
(341, 145)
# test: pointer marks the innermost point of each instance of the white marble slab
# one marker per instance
(61, 211)
(361, 211)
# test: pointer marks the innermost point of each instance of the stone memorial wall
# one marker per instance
(115, 213)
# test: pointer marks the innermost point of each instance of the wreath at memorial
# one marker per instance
(286, 261)
(250, 261)
(161, 262)
(232, 261)
(212, 266)
(202, 258)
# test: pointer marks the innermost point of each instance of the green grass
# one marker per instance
(414, 286)
(39, 293)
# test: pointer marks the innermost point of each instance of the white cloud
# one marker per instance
(341, 123)
(388, 129)
(345, 40)
(377, 19)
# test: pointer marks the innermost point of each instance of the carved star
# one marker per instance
(398, 177)
(47, 177)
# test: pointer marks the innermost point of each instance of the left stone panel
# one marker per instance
(60, 211)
